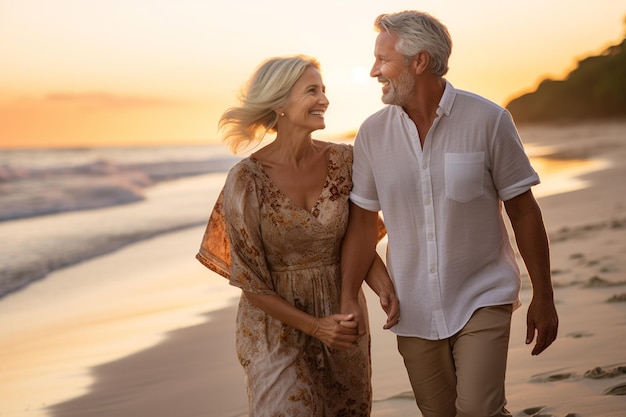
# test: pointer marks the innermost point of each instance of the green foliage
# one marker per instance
(596, 89)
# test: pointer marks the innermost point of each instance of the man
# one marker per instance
(439, 163)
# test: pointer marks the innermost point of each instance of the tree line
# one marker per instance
(595, 89)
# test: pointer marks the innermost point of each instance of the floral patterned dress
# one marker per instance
(263, 243)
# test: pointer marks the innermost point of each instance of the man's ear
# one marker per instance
(420, 62)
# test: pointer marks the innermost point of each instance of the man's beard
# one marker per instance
(401, 92)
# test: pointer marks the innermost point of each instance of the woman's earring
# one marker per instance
(282, 114)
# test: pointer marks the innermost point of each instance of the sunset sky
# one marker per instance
(127, 72)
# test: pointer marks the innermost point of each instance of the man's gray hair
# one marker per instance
(419, 31)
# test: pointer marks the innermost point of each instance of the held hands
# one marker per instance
(352, 308)
(542, 319)
(389, 303)
(338, 331)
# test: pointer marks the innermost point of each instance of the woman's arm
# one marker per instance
(327, 329)
(357, 255)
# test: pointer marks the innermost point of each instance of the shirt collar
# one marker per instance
(447, 100)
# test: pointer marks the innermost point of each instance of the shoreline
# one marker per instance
(190, 367)
(58, 329)
(169, 207)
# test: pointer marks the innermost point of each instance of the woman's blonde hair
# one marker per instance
(265, 92)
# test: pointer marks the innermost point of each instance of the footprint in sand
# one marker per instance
(619, 389)
(601, 373)
(599, 282)
(533, 410)
(617, 298)
(558, 377)
(578, 335)
(551, 376)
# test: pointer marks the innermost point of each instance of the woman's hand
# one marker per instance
(338, 331)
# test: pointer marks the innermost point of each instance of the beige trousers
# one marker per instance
(462, 376)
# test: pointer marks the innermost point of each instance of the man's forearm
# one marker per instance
(532, 242)
(378, 278)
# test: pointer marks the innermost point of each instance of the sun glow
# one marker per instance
(360, 75)
(76, 72)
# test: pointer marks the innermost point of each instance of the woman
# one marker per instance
(276, 233)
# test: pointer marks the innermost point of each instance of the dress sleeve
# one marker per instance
(214, 250)
(232, 244)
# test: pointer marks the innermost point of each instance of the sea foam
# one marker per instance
(55, 212)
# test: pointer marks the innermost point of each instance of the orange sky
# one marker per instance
(116, 72)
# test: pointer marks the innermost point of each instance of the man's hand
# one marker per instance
(391, 305)
(543, 320)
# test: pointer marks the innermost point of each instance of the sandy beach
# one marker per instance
(158, 340)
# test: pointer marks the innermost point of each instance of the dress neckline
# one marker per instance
(320, 196)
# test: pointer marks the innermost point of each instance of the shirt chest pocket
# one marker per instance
(464, 175)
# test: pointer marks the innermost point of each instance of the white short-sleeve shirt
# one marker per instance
(448, 250)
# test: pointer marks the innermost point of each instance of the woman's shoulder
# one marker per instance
(342, 151)
(243, 164)
(337, 148)
(244, 170)
(340, 160)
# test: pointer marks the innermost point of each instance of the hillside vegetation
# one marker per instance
(596, 89)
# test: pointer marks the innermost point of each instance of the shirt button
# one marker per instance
(432, 270)
(430, 236)
(427, 201)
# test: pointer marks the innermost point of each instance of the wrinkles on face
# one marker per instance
(307, 102)
(391, 70)
(400, 90)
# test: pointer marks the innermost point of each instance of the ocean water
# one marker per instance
(35, 182)
(59, 207)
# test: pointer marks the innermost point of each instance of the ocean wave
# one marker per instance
(59, 207)
(34, 247)
(36, 191)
